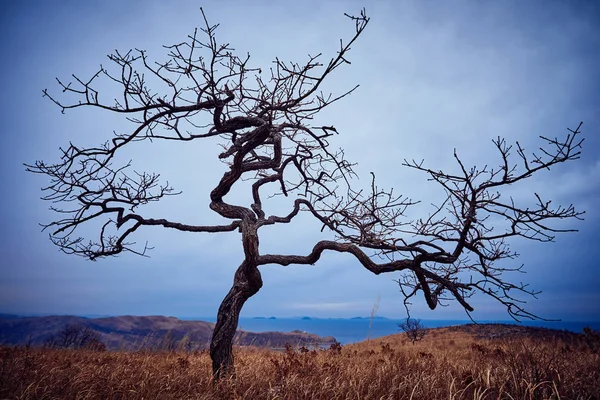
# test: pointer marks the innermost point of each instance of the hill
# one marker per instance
(448, 336)
(462, 362)
(148, 332)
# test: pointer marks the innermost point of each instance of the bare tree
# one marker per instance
(264, 126)
(76, 337)
(414, 329)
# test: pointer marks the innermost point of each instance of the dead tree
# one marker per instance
(263, 123)
(414, 329)
(76, 337)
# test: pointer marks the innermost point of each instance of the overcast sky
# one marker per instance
(433, 75)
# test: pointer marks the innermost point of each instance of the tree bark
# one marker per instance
(247, 282)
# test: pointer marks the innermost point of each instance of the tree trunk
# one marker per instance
(246, 283)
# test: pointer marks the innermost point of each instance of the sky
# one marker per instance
(434, 76)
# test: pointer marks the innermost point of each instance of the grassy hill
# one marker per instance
(136, 333)
(464, 362)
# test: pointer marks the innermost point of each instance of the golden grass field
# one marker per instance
(449, 363)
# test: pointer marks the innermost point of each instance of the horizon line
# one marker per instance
(203, 318)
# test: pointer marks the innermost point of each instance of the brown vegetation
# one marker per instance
(450, 363)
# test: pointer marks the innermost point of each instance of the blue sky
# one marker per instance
(434, 76)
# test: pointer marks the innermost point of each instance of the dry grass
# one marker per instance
(445, 365)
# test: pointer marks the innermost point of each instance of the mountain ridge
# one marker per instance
(128, 332)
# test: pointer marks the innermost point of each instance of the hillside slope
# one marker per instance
(147, 332)
(463, 362)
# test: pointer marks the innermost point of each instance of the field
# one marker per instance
(481, 362)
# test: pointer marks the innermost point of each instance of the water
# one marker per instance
(355, 330)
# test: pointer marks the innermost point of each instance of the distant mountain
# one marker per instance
(377, 318)
(8, 316)
(149, 332)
